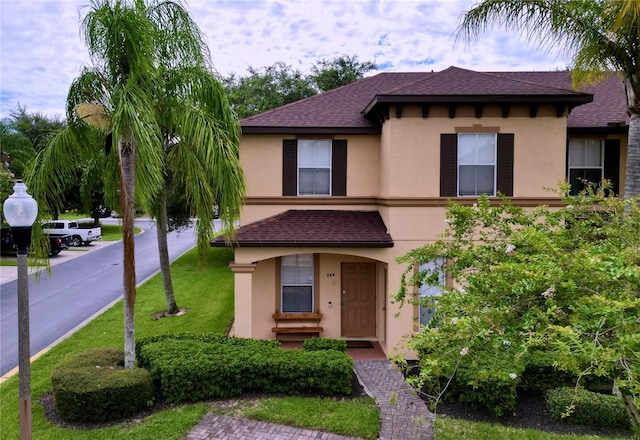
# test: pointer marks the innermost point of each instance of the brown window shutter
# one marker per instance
(504, 169)
(612, 163)
(339, 168)
(448, 165)
(289, 167)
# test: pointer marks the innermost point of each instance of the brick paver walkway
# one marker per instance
(403, 414)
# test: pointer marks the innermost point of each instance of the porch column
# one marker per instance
(243, 298)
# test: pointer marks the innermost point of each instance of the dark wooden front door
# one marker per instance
(358, 300)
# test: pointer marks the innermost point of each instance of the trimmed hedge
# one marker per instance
(587, 408)
(95, 387)
(193, 369)
(317, 344)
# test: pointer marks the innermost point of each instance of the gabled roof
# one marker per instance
(317, 228)
(344, 110)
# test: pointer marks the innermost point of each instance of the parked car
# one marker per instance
(57, 243)
(79, 235)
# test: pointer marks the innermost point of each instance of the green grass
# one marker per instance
(447, 428)
(113, 232)
(4, 262)
(205, 288)
(349, 417)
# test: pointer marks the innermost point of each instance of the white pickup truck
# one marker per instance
(79, 234)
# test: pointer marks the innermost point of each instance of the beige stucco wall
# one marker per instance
(403, 163)
(411, 148)
(261, 159)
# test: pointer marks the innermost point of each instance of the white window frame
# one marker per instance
(303, 142)
(309, 283)
(427, 312)
(494, 163)
(584, 142)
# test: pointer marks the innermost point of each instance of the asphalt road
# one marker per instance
(77, 290)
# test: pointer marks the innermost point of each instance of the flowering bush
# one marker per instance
(562, 281)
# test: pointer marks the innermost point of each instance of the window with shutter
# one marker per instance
(314, 167)
(476, 163)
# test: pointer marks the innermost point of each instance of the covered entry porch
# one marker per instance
(313, 273)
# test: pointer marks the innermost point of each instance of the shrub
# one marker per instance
(578, 406)
(194, 369)
(94, 386)
(540, 374)
(209, 338)
(317, 344)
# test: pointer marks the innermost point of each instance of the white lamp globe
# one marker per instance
(20, 209)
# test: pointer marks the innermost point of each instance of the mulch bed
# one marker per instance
(48, 404)
(531, 413)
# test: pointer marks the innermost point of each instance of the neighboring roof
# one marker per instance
(609, 106)
(314, 228)
(343, 110)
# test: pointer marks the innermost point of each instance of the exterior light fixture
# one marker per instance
(20, 210)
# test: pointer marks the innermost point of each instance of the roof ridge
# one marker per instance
(497, 75)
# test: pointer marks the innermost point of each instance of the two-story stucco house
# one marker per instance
(343, 183)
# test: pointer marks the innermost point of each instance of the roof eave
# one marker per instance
(609, 129)
(295, 243)
(254, 129)
(572, 100)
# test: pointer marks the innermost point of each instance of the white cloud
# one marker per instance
(42, 51)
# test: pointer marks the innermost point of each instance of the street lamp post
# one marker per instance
(21, 210)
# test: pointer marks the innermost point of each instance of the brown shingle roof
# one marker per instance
(343, 110)
(317, 228)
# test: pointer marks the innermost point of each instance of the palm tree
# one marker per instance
(600, 35)
(126, 40)
(200, 138)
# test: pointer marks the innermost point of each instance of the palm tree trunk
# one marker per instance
(632, 173)
(127, 206)
(163, 250)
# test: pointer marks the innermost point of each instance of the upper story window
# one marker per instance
(586, 163)
(297, 276)
(314, 167)
(476, 164)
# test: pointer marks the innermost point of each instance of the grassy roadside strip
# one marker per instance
(203, 287)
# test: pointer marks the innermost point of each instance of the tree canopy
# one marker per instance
(273, 86)
(545, 288)
(148, 101)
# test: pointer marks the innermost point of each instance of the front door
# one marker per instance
(358, 300)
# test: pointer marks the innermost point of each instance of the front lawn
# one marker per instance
(205, 288)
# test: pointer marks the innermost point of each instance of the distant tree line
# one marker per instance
(272, 86)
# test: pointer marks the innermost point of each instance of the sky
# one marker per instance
(41, 50)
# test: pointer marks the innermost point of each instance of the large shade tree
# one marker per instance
(129, 42)
(538, 297)
(600, 35)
